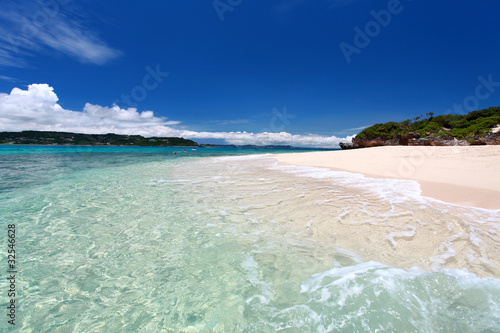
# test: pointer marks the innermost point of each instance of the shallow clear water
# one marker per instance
(141, 240)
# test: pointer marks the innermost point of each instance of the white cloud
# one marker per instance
(32, 27)
(37, 109)
(231, 122)
(356, 129)
(8, 78)
(281, 138)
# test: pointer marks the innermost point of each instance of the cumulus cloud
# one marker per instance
(281, 138)
(30, 27)
(37, 108)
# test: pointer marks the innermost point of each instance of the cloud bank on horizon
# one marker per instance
(37, 109)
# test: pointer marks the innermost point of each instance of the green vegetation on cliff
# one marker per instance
(65, 138)
(473, 124)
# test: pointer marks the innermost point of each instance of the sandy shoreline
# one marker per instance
(468, 176)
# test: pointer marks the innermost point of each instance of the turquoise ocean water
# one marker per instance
(122, 239)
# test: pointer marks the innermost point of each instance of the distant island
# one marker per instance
(78, 139)
(475, 128)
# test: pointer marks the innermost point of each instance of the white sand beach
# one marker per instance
(468, 176)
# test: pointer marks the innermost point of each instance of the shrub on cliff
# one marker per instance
(485, 113)
(475, 123)
(384, 131)
(445, 119)
(425, 127)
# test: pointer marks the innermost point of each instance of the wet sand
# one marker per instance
(379, 219)
(468, 176)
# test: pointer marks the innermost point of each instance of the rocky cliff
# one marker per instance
(414, 139)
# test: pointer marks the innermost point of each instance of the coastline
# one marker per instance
(461, 175)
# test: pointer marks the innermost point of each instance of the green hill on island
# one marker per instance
(476, 127)
(475, 123)
(78, 139)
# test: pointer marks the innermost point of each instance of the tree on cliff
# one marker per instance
(474, 124)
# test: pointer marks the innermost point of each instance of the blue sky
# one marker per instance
(279, 72)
